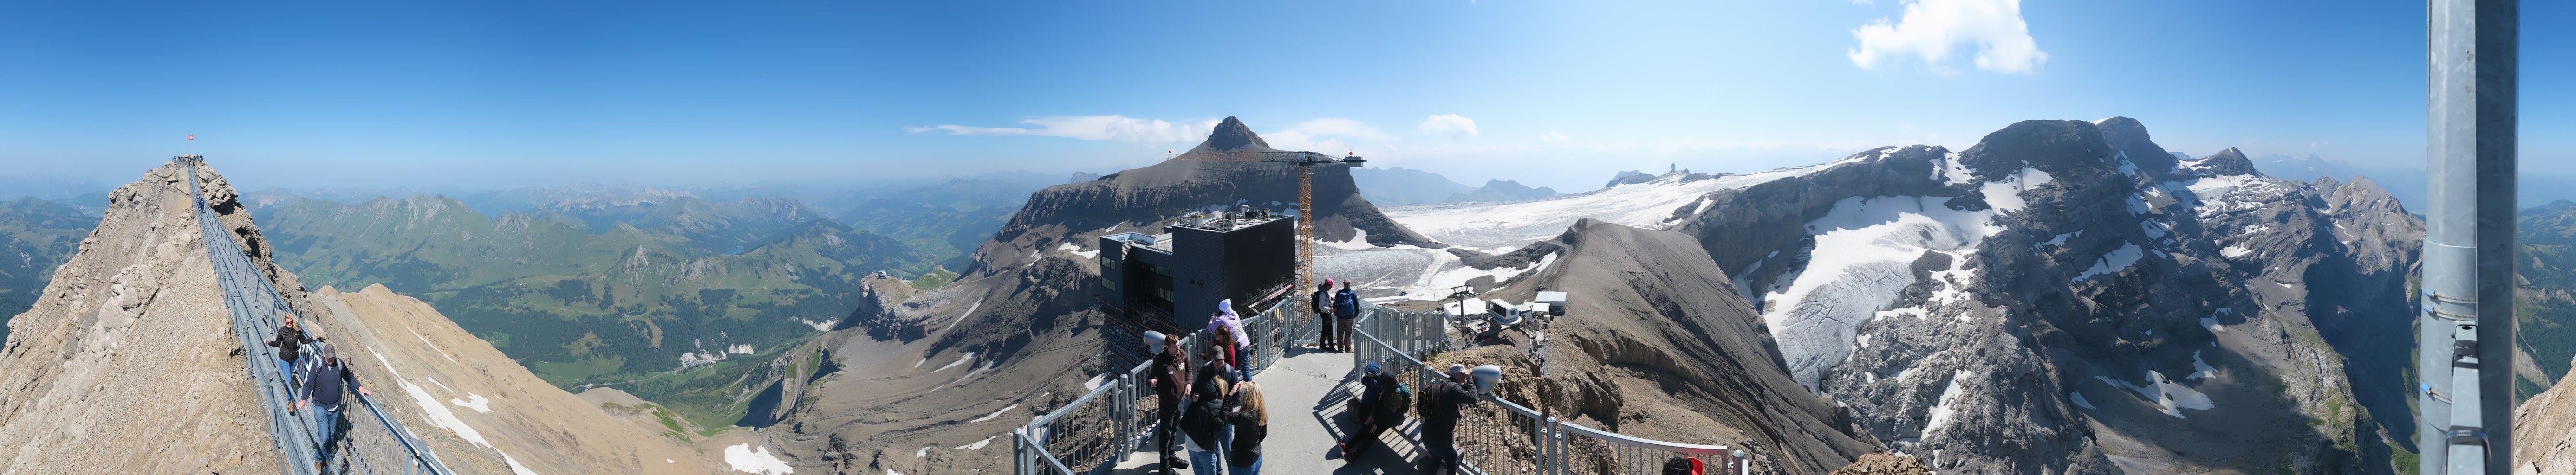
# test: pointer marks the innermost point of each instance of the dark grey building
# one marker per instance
(1177, 278)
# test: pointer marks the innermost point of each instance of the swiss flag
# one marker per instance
(192, 136)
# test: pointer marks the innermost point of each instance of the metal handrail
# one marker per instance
(1554, 447)
(254, 303)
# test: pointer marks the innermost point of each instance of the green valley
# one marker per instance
(673, 300)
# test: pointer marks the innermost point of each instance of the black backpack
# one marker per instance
(1424, 405)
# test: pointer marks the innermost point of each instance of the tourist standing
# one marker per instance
(1170, 378)
(1346, 307)
(1251, 422)
(1322, 302)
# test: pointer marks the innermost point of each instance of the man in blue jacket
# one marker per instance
(323, 385)
(1346, 307)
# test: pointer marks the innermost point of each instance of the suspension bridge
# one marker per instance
(373, 442)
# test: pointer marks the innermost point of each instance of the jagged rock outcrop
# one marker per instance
(131, 323)
(1146, 199)
(2544, 433)
(2067, 297)
(1884, 464)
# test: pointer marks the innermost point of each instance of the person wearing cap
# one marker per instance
(1374, 411)
(324, 384)
(1170, 378)
(1322, 302)
(1440, 423)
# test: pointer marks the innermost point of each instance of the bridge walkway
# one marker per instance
(374, 442)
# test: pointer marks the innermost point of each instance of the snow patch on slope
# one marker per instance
(2115, 261)
(473, 401)
(743, 459)
(1944, 411)
(1069, 248)
(440, 417)
(2168, 396)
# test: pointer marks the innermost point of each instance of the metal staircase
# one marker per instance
(374, 442)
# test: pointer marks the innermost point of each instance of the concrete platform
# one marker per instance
(1306, 391)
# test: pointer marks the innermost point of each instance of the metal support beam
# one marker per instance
(2465, 329)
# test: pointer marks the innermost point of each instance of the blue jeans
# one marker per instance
(1207, 463)
(286, 369)
(1254, 469)
(326, 424)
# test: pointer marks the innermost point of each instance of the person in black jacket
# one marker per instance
(324, 384)
(1440, 423)
(1209, 435)
(1323, 306)
(1372, 411)
(1251, 421)
(1170, 378)
(290, 342)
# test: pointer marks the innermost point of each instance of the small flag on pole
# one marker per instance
(192, 137)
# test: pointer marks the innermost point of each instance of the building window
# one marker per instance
(1107, 284)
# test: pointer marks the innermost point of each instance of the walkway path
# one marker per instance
(1306, 390)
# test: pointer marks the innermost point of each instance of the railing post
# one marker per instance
(1539, 442)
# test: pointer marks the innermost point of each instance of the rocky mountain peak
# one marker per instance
(2226, 162)
(2129, 137)
(1231, 135)
(2050, 145)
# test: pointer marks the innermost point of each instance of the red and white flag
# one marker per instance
(192, 137)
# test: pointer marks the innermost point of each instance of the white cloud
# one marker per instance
(1552, 137)
(1932, 29)
(1451, 125)
(1091, 127)
(1311, 135)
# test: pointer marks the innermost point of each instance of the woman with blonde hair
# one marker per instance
(1251, 420)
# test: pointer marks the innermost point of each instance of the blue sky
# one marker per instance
(1550, 93)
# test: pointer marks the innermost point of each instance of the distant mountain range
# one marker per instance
(2407, 182)
(1406, 186)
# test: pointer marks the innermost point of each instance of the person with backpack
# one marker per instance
(290, 341)
(1251, 421)
(324, 384)
(1203, 420)
(1439, 406)
(1380, 406)
(1322, 302)
(1346, 308)
(1170, 378)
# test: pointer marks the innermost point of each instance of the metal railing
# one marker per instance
(1503, 437)
(1500, 438)
(1095, 432)
(374, 444)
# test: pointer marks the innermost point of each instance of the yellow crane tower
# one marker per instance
(1306, 162)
